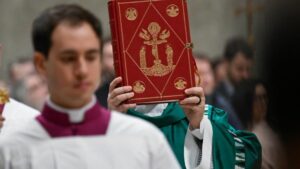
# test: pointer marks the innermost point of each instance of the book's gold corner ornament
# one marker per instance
(154, 37)
(189, 45)
(131, 14)
(138, 87)
(180, 83)
(172, 10)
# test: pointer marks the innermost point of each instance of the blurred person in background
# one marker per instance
(31, 90)
(13, 115)
(19, 68)
(207, 80)
(108, 69)
(108, 72)
(220, 70)
(251, 104)
(239, 59)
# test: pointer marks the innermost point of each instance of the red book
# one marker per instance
(152, 48)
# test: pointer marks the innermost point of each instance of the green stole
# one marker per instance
(173, 123)
(231, 148)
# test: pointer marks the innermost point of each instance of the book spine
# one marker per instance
(113, 21)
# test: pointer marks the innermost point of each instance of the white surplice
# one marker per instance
(30, 140)
(16, 115)
(112, 152)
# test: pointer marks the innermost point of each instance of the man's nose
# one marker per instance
(81, 68)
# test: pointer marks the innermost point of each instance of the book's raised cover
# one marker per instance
(152, 48)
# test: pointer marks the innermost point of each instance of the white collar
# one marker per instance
(152, 110)
(75, 115)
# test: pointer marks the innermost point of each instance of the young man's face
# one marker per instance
(73, 66)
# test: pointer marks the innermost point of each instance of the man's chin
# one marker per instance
(82, 97)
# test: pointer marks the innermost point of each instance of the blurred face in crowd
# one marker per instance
(72, 68)
(220, 72)
(36, 91)
(260, 103)
(206, 75)
(239, 68)
(20, 70)
(108, 58)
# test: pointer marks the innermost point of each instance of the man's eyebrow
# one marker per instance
(93, 51)
(67, 51)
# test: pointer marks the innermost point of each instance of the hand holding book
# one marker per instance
(193, 104)
(118, 96)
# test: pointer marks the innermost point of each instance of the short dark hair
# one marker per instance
(236, 45)
(44, 25)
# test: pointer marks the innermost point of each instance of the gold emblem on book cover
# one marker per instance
(139, 87)
(180, 83)
(172, 10)
(131, 14)
(154, 37)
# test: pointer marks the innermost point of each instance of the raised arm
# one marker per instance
(194, 105)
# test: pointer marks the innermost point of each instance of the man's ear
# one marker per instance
(39, 60)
